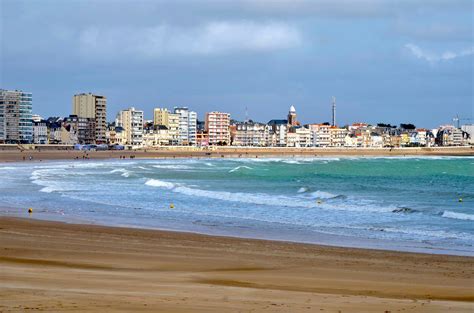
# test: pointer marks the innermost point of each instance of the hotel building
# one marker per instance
(16, 125)
(88, 105)
(217, 128)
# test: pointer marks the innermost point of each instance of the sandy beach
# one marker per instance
(49, 152)
(57, 267)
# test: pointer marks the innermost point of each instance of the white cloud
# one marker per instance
(434, 57)
(207, 39)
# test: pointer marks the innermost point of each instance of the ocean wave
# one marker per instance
(303, 189)
(268, 199)
(7, 168)
(159, 183)
(458, 216)
(240, 167)
(172, 166)
(323, 195)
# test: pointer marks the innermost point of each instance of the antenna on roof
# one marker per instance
(333, 111)
(246, 114)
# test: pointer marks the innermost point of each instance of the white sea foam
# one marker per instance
(118, 170)
(159, 183)
(240, 167)
(7, 168)
(302, 189)
(458, 216)
(172, 166)
(323, 195)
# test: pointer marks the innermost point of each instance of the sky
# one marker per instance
(384, 61)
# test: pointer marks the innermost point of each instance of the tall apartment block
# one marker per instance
(131, 120)
(16, 125)
(170, 120)
(92, 106)
(217, 127)
(187, 126)
(161, 117)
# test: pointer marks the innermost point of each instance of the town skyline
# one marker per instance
(242, 116)
(409, 61)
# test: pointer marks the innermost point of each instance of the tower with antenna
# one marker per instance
(333, 111)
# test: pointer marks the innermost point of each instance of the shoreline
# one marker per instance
(58, 266)
(324, 239)
(13, 154)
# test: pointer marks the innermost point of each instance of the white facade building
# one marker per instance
(131, 120)
(187, 126)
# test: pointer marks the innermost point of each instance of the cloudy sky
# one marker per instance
(385, 61)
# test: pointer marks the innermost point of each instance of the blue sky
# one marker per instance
(385, 61)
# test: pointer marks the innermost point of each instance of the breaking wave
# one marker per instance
(458, 216)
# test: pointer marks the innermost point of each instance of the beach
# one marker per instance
(11, 153)
(52, 266)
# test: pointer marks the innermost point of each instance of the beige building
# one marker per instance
(161, 116)
(88, 105)
(337, 136)
(217, 126)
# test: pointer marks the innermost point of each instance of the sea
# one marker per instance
(417, 204)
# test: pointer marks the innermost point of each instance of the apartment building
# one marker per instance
(16, 124)
(320, 134)
(131, 120)
(40, 132)
(251, 133)
(217, 128)
(87, 105)
(337, 136)
(161, 116)
(187, 126)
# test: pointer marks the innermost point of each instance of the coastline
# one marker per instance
(13, 154)
(56, 266)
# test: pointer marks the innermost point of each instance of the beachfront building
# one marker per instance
(217, 127)
(40, 132)
(131, 120)
(155, 135)
(54, 130)
(337, 136)
(251, 133)
(88, 105)
(320, 134)
(187, 126)
(469, 129)
(80, 129)
(278, 133)
(449, 135)
(161, 116)
(298, 136)
(16, 125)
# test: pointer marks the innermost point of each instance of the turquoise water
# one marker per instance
(392, 203)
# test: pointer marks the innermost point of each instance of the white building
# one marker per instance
(187, 126)
(40, 132)
(131, 120)
(251, 133)
(320, 134)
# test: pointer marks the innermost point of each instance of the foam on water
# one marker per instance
(458, 216)
(240, 167)
(356, 197)
(159, 183)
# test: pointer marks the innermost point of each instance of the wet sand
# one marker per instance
(58, 267)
